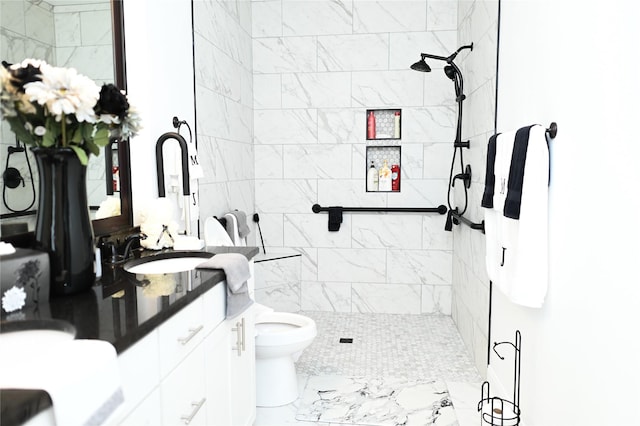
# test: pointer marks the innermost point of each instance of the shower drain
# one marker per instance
(346, 340)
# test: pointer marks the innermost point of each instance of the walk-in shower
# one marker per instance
(453, 72)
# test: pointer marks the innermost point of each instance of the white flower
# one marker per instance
(13, 299)
(40, 130)
(64, 91)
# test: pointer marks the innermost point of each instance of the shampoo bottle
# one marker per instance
(384, 178)
(371, 126)
(372, 178)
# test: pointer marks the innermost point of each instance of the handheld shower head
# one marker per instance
(450, 72)
(421, 66)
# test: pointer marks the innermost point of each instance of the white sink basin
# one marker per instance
(167, 263)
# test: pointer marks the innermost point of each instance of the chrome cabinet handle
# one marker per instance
(197, 406)
(243, 334)
(192, 332)
(239, 329)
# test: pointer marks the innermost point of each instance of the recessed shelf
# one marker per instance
(377, 155)
(383, 124)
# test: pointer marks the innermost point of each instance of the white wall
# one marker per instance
(575, 63)
(318, 65)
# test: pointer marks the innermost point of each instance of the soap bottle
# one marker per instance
(372, 178)
(396, 125)
(371, 126)
(384, 178)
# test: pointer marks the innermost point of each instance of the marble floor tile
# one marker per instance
(376, 401)
(419, 347)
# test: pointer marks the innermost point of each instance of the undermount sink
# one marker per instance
(167, 263)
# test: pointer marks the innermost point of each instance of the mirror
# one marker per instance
(88, 36)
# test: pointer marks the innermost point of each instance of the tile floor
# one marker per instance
(386, 345)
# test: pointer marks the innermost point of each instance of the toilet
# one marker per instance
(280, 336)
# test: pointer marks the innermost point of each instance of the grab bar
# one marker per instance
(441, 209)
(458, 219)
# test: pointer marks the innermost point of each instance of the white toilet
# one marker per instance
(280, 336)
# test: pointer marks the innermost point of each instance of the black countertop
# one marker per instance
(122, 307)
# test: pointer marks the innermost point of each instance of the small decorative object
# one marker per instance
(13, 299)
(65, 117)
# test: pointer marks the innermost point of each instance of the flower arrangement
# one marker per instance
(55, 107)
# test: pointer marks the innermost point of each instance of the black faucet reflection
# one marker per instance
(129, 241)
(186, 191)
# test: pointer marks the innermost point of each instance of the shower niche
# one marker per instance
(384, 124)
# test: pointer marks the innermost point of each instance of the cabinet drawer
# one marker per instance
(139, 370)
(180, 335)
(145, 414)
(183, 392)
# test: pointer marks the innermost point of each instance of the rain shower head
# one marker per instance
(421, 66)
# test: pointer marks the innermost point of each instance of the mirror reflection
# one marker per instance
(67, 34)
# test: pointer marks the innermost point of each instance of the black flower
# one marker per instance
(112, 101)
(23, 75)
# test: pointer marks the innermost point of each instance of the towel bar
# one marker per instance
(441, 209)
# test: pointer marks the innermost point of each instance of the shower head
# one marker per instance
(421, 66)
(450, 72)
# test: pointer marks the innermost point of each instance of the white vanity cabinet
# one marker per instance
(194, 373)
(242, 381)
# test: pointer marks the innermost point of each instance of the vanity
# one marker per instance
(180, 360)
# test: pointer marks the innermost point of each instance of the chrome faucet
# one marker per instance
(185, 173)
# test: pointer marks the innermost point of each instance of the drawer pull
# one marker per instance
(192, 333)
(197, 406)
(240, 334)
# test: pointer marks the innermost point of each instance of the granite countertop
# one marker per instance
(122, 307)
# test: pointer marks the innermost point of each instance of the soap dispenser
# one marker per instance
(372, 178)
(384, 178)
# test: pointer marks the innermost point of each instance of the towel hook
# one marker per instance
(552, 130)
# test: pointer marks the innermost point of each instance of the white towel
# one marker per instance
(236, 268)
(517, 249)
(81, 376)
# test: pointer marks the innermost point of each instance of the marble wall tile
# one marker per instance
(267, 91)
(310, 230)
(434, 237)
(359, 265)
(442, 15)
(439, 89)
(234, 160)
(389, 16)
(67, 26)
(13, 17)
(245, 15)
(419, 266)
(386, 298)
(293, 196)
(285, 126)
(348, 193)
(271, 226)
(387, 88)
(341, 125)
(96, 62)
(325, 296)
(317, 161)
(285, 54)
(436, 299)
(412, 161)
(271, 273)
(217, 71)
(357, 52)
(96, 27)
(405, 48)
(266, 18)
(309, 263)
(38, 23)
(359, 167)
(420, 193)
(282, 298)
(316, 17)
(316, 90)
(437, 160)
(214, 23)
(386, 231)
(429, 124)
(268, 161)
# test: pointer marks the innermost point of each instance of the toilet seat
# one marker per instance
(283, 328)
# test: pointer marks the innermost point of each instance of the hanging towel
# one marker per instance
(241, 218)
(236, 268)
(516, 224)
(335, 218)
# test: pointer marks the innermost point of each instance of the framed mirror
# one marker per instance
(88, 36)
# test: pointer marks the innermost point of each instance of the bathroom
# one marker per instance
(277, 102)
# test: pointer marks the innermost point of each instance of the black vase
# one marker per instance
(63, 225)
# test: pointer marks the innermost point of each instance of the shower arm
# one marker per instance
(448, 59)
